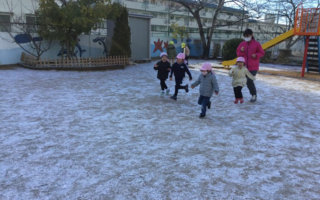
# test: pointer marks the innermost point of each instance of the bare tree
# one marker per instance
(196, 9)
(23, 31)
(285, 10)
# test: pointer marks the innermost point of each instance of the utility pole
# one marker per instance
(168, 22)
(242, 18)
(275, 47)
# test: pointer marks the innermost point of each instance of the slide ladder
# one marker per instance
(313, 54)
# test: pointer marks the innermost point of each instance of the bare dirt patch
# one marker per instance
(7, 67)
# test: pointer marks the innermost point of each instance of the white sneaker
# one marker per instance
(254, 98)
(167, 91)
(162, 93)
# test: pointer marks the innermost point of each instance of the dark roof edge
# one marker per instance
(140, 15)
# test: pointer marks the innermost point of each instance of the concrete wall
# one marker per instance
(88, 45)
(194, 45)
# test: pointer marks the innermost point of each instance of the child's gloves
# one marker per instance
(190, 79)
(216, 93)
(170, 78)
(192, 86)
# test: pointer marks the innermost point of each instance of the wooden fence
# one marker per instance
(110, 62)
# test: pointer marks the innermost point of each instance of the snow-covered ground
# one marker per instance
(108, 135)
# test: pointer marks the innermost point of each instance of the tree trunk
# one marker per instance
(209, 36)
(201, 32)
(206, 51)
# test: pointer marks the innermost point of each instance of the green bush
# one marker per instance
(267, 58)
(120, 44)
(216, 50)
(229, 49)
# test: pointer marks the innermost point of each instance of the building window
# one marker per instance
(31, 21)
(186, 21)
(5, 23)
(153, 28)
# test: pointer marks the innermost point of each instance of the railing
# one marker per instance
(110, 62)
(307, 21)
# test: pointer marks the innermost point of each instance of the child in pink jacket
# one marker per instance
(252, 51)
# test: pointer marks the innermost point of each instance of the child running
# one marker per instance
(171, 50)
(163, 67)
(179, 69)
(208, 85)
(239, 80)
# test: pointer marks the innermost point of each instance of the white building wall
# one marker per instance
(18, 6)
(164, 17)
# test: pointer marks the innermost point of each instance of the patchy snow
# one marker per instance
(263, 66)
(108, 135)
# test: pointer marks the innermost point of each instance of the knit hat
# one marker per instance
(171, 42)
(183, 45)
(241, 59)
(181, 56)
(163, 54)
(206, 66)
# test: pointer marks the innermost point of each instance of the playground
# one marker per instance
(88, 135)
(307, 25)
(109, 134)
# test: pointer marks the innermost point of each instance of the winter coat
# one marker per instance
(239, 76)
(162, 68)
(186, 50)
(179, 70)
(208, 84)
(171, 50)
(252, 47)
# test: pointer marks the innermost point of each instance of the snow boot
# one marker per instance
(161, 93)
(167, 91)
(187, 88)
(174, 98)
(236, 100)
(202, 116)
(241, 100)
(253, 99)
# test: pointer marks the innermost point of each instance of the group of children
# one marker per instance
(207, 79)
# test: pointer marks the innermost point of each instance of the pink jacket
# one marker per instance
(252, 47)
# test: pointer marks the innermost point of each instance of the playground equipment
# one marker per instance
(306, 24)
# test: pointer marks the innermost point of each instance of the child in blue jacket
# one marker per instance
(208, 85)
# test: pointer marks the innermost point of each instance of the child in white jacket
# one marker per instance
(238, 73)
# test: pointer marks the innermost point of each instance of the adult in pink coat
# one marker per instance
(252, 51)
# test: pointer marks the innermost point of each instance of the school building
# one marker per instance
(149, 21)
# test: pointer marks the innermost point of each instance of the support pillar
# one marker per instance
(305, 56)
